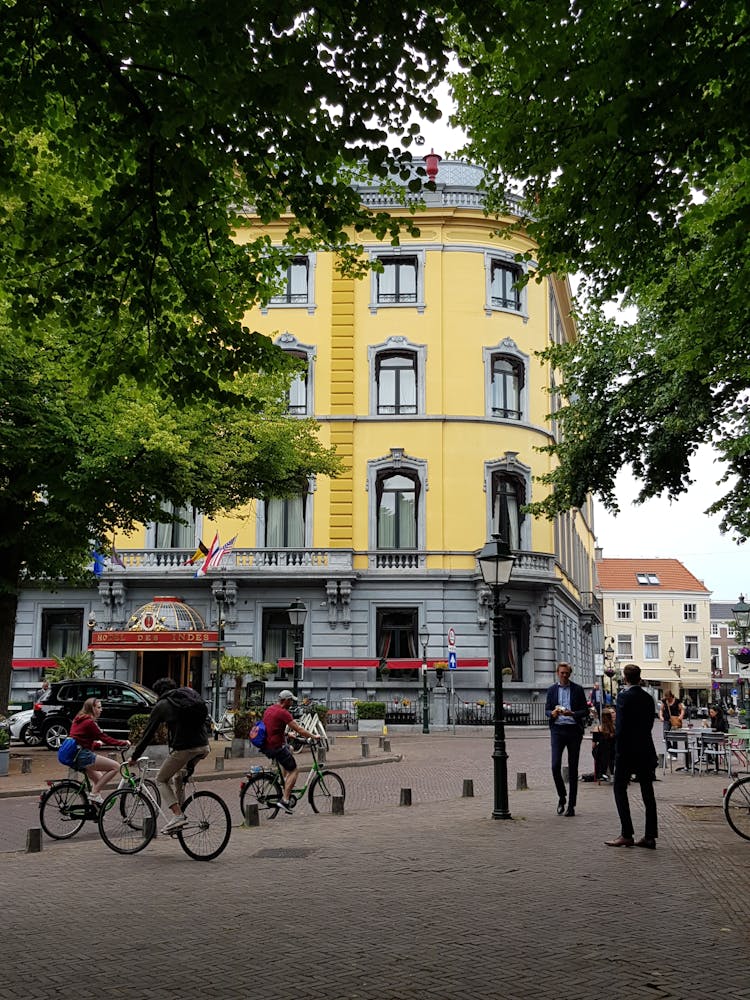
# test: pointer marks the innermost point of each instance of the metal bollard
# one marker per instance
(227, 753)
(364, 739)
(33, 840)
(365, 749)
(521, 785)
(322, 755)
(219, 764)
(566, 774)
(337, 805)
(149, 827)
(405, 797)
(387, 746)
(468, 792)
(252, 816)
(26, 763)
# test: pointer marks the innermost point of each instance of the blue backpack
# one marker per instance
(258, 734)
(68, 752)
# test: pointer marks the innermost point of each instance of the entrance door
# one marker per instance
(164, 663)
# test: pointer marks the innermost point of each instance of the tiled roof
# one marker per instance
(622, 574)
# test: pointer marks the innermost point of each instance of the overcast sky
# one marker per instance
(657, 528)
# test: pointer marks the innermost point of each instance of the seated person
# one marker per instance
(603, 745)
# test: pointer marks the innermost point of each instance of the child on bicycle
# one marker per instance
(87, 734)
(276, 719)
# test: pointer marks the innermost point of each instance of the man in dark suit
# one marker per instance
(567, 711)
(634, 755)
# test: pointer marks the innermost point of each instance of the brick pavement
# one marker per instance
(436, 901)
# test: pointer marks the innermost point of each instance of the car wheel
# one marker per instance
(54, 734)
(29, 738)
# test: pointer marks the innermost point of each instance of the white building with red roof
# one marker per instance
(658, 615)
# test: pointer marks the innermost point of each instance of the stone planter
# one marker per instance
(370, 725)
(242, 748)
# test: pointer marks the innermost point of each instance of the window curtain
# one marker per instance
(506, 516)
(177, 536)
(285, 523)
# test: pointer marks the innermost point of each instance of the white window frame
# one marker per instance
(510, 349)
(690, 611)
(289, 343)
(509, 465)
(691, 640)
(625, 647)
(506, 259)
(624, 611)
(651, 640)
(406, 251)
(398, 462)
(715, 630)
(309, 305)
(650, 611)
(152, 528)
(403, 345)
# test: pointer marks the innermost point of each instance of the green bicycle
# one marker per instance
(265, 787)
(66, 806)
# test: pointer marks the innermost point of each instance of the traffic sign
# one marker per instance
(452, 660)
(451, 637)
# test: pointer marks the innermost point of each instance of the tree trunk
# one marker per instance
(8, 605)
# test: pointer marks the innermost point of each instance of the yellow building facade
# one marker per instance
(425, 376)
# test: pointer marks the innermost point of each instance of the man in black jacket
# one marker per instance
(185, 715)
(567, 710)
(634, 755)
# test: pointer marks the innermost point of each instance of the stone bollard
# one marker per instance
(365, 749)
(322, 755)
(149, 827)
(219, 764)
(331, 739)
(468, 791)
(364, 740)
(521, 785)
(252, 816)
(337, 805)
(380, 742)
(33, 840)
(405, 797)
(566, 774)
(662, 760)
(387, 746)
(26, 763)
(227, 753)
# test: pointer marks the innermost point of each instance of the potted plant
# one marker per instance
(440, 667)
(157, 749)
(244, 720)
(237, 667)
(370, 716)
(4, 748)
(742, 655)
(74, 666)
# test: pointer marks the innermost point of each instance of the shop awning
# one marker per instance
(166, 623)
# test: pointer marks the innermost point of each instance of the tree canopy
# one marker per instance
(135, 140)
(626, 127)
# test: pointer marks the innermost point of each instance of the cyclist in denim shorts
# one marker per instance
(276, 719)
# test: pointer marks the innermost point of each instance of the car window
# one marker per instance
(79, 692)
(123, 696)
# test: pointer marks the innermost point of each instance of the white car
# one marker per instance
(19, 728)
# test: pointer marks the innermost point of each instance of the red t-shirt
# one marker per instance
(276, 718)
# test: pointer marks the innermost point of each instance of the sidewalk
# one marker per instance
(433, 902)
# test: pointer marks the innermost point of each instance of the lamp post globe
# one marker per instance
(496, 564)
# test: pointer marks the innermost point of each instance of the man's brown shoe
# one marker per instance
(648, 842)
(620, 842)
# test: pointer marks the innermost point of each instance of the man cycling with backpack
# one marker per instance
(276, 718)
(185, 714)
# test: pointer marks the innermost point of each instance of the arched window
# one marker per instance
(396, 379)
(397, 499)
(508, 496)
(506, 383)
(301, 395)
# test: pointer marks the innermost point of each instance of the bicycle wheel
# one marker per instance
(737, 807)
(127, 821)
(264, 789)
(208, 826)
(150, 790)
(62, 810)
(325, 787)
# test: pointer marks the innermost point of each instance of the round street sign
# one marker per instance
(451, 637)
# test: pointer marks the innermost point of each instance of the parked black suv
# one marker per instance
(58, 706)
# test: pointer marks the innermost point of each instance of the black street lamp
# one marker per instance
(424, 638)
(297, 614)
(741, 612)
(495, 564)
(220, 596)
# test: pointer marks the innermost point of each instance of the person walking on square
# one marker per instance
(671, 708)
(634, 755)
(567, 710)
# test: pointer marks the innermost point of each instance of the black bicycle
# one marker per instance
(265, 787)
